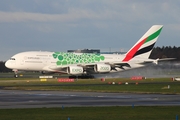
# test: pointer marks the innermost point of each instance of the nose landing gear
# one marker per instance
(16, 73)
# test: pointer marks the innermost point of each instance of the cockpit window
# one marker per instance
(12, 58)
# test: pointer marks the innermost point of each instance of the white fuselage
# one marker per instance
(44, 61)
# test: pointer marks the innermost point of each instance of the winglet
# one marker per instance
(144, 46)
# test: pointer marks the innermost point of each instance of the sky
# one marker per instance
(61, 25)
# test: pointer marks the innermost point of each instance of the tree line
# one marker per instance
(166, 52)
(3, 67)
(157, 52)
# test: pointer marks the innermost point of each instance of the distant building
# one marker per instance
(113, 52)
(85, 51)
(93, 51)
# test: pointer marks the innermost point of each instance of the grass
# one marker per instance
(92, 113)
(152, 85)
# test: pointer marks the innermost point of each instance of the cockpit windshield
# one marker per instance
(12, 59)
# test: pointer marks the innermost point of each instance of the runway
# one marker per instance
(38, 99)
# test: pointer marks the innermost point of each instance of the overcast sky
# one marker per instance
(60, 25)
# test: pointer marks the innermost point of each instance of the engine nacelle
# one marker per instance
(102, 68)
(75, 70)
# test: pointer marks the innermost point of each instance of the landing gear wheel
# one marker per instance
(16, 75)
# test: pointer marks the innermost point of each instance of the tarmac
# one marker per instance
(39, 99)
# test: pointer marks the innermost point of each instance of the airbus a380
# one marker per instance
(86, 63)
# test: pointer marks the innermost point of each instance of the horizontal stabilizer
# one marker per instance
(163, 59)
(166, 59)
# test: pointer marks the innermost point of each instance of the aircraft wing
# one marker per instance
(88, 67)
(113, 65)
(118, 64)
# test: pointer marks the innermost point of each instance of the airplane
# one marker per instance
(88, 63)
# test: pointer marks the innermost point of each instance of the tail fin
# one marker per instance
(144, 46)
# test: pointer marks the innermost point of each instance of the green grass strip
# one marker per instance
(93, 113)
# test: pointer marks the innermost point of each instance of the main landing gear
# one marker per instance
(82, 77)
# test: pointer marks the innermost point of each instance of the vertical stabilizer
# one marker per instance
(144, 46)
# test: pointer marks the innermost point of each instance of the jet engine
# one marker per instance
(75, 70)
(102, 68)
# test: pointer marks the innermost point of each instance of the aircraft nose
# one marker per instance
(7, 64)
